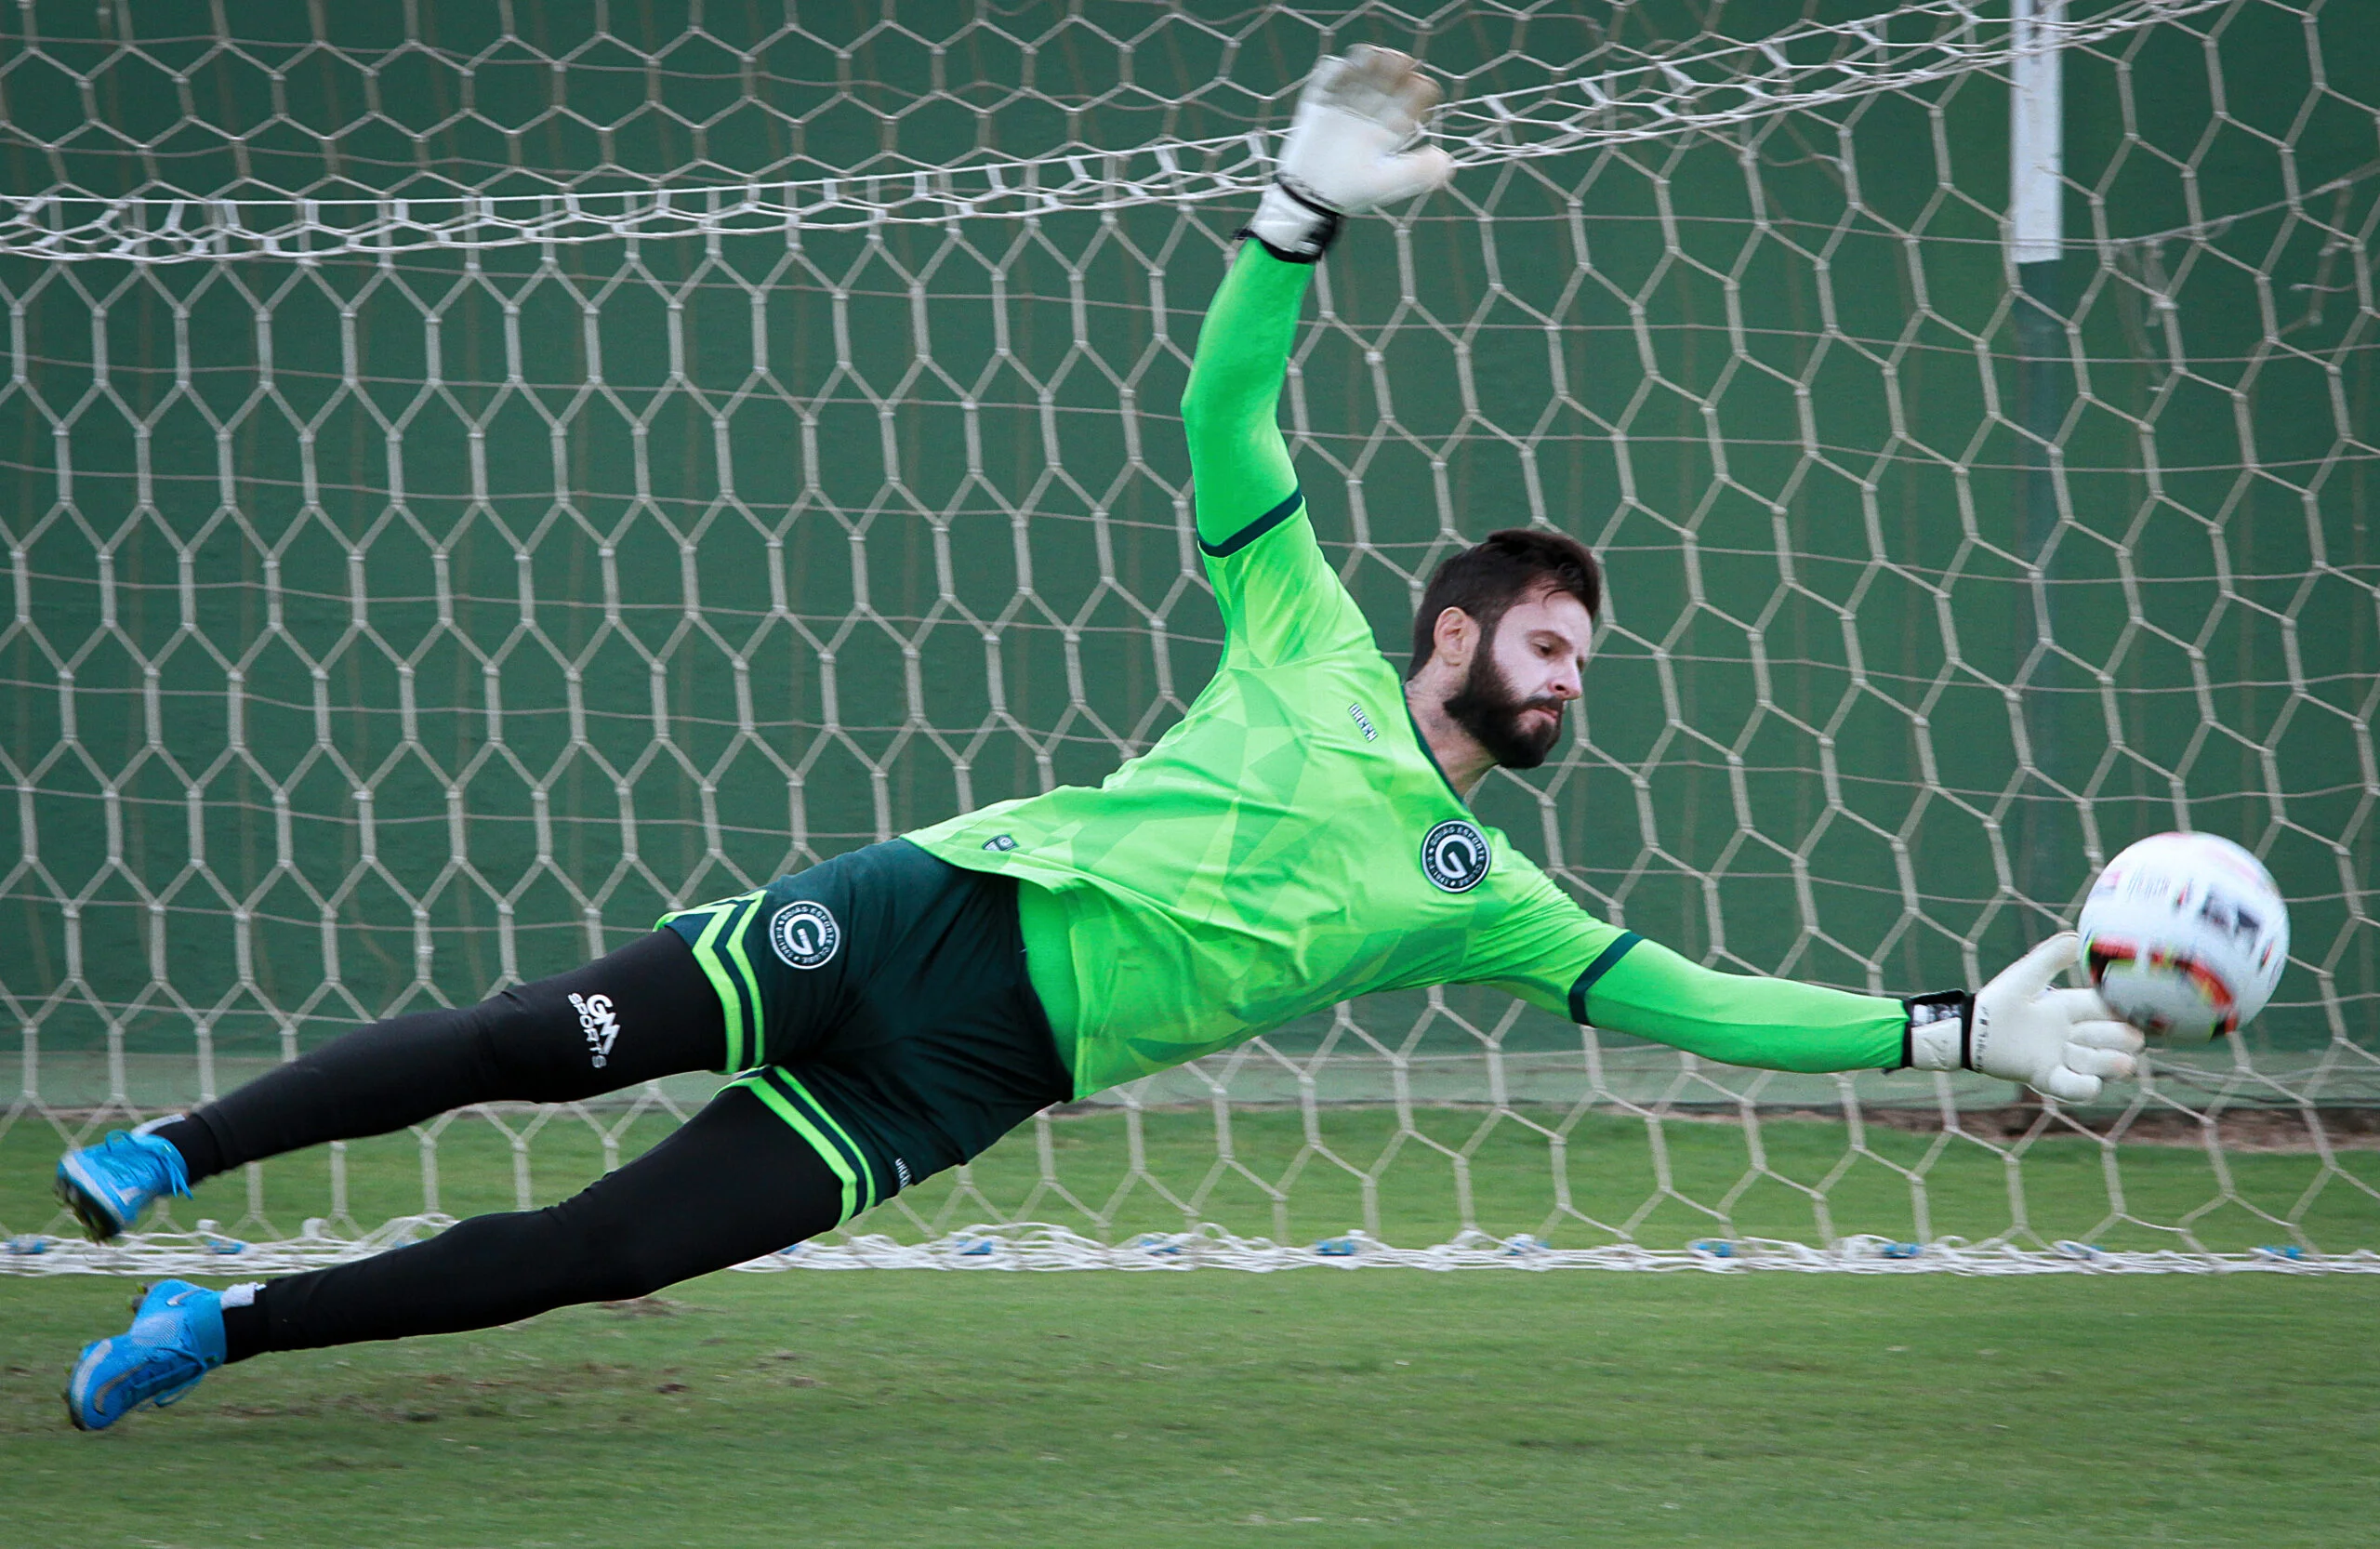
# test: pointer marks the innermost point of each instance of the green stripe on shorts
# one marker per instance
(790, 1101)
(784, 1109)
(833, 1126)
(734, 937)
(739, 992)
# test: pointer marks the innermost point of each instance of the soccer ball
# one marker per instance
(2185, 936)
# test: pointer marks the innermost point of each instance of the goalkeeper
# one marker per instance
(1300, 838)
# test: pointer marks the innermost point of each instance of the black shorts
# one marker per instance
(880, 1005)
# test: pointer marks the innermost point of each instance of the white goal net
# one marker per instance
(480, 475)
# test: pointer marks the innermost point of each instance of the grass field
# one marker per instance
(2137, 1195)
(889, 1408)
(1211, 1408)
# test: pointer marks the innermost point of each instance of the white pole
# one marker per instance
(2036, 233)
(2037, 135)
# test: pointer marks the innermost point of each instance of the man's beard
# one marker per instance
(1487, 709)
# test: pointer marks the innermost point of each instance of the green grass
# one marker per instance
(1456, 1165)
(1381, 1407)
(1211, 1408)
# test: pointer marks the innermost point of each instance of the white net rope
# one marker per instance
(491, 474)
(1617, 92)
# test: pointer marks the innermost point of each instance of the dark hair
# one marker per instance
(1487, 579)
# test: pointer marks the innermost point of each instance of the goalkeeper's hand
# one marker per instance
(1349, 149)
(2062, 1043)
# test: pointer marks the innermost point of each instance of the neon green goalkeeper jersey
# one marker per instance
(1289, 844)
(1292, 844)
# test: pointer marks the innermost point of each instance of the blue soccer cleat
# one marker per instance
(175, 1338)
(109, 1185)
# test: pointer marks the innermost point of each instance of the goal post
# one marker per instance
(2036, 255)
(479, 482)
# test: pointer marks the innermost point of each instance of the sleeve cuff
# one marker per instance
(1289, 505)
(1597, 970)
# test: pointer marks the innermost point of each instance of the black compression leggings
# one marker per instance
(732, 1182)
(534, 1043)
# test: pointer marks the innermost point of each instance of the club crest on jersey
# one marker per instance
(1455, 856)
(805, 934)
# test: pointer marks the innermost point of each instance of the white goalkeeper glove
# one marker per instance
(1350, 150)
(2062, 1043)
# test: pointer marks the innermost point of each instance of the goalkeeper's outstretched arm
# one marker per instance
(1348, 152)
(1345, 155)
(2017, 1027)
(2063, 1042)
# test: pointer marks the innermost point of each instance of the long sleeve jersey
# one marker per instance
(1292, 843)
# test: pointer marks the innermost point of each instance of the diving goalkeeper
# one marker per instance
(1300, 838)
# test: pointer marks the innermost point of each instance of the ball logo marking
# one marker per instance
(1455, 856)
(805, 934)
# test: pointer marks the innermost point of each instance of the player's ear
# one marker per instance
(1454, 636)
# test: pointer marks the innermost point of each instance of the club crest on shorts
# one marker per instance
(804, 934)
(1455, 856)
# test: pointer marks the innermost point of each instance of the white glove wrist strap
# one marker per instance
(1938, 1033)
(1293, 226)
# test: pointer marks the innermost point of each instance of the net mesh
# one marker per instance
(483, 475)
